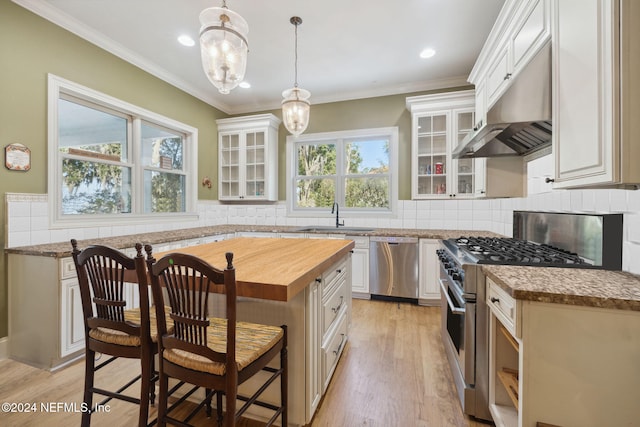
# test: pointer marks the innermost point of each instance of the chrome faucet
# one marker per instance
(336, 208)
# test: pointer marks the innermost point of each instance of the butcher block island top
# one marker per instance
(272, 268)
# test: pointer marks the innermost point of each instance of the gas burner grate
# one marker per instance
(502, 250)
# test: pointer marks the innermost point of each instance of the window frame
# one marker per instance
(59, 87)
(339, 137)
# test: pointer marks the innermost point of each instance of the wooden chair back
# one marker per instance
(188, 282)
(102, 274)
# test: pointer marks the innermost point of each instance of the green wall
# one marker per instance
(384, 111)
(31, 47)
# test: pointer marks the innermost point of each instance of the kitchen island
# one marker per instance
(303, 283)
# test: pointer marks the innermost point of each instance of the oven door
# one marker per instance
(458, 336)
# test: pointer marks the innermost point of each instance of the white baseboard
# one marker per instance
(4, 348)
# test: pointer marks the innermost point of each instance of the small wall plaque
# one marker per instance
(17, 157)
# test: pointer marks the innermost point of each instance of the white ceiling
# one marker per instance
(346, 49)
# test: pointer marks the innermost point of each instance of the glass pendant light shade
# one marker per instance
(296, 105)
(295, 110)
(223, 47)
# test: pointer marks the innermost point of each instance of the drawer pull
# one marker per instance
(339, 349)
(494, 300)
(339, 271)
(337, 309)
(319, 280)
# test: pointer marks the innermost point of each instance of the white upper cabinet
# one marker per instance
(438, 123)
(499, 74)
(248, 158)
(596, 56)
(521, 30)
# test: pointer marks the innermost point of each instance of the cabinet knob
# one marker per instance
(319, 280)
(494, 299)
(482, 192)
(508, 76)
(548, 180)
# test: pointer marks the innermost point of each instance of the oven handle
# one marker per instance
(453, 308)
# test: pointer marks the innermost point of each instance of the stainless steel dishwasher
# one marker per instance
(393, 267)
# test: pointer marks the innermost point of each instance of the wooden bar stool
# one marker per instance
(215, 353)
(112, 330)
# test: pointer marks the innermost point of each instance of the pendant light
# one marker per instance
(223, 46)
(296, 105)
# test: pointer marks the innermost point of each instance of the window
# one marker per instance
(356, 169)
(111, 161)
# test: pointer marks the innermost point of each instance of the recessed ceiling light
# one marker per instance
(185, 40)
(245, 85)
(427, 53)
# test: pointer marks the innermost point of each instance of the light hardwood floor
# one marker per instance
(393, 373)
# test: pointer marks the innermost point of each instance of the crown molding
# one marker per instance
(50, 13)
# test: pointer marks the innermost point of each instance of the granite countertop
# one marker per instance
(63, 249)
(574, 286)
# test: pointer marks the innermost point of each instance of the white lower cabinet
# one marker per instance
(429, 270)
(504, 357)
(313, 341)
(46, 324)
(332, 349)
(71, 318)
(335, 316)
(256, 234)
(561, 364)
(360, 267)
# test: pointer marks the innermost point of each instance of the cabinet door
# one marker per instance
(532, 33)
(71, 318)
(481, 106)
(499, 75)
(360, 272)
(583, 102)
(313, 347)
(229, 180)
(254, 167)
(431, 154)
(429, 293)
(463, 178)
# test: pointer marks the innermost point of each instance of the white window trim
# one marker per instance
(58, 85)
(391, 132)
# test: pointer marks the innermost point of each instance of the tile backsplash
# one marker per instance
(28, 223)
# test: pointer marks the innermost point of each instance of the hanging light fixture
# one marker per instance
(296, 105)
(223, 46)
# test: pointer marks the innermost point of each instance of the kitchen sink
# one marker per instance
(332, 229)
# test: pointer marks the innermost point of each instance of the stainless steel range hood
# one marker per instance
(520, 121)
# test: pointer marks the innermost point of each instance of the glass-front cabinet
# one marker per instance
(466, 170)
(439, 123)
(431, 153)
(248, 158)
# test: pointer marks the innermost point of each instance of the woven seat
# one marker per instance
(110, 329)
(216, 353)
(132, 316)
(252, 341)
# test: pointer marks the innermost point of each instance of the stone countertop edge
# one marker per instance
(608, 289)
(573, 286)
(63, 249)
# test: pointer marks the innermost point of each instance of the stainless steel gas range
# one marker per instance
(540, 239)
